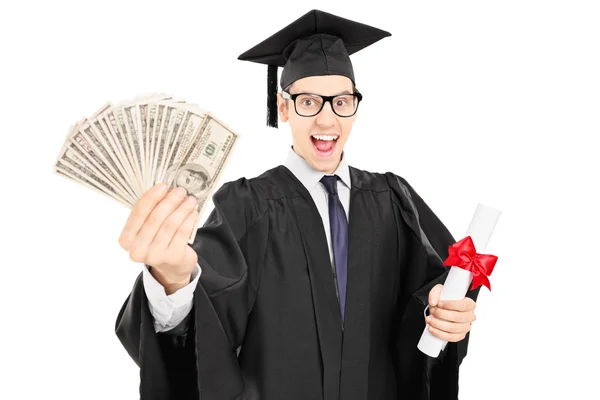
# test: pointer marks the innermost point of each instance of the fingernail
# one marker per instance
(162, 187)
(430, 329)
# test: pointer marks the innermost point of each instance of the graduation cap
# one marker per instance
(318, 43)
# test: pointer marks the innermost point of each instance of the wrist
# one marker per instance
(170, 283)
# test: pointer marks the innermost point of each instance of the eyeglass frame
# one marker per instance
(326, 99)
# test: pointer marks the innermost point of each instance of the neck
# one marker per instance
(333, 170)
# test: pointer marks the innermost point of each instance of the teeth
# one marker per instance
(325, 137)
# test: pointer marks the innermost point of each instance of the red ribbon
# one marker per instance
(462, 254)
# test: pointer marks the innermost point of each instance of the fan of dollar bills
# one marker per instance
(123, 150)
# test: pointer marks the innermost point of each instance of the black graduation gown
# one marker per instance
(266, 321)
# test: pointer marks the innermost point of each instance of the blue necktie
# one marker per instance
(339, 236)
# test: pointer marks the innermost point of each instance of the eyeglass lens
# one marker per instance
(309, 105)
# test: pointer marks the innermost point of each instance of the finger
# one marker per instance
(139, 213)
(449, 327)
(185, 230)
(465, 304)
(448, 337)
(434, 295)
(154, 221)
(171, 224)
(452, 316)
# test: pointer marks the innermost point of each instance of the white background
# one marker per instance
(471, 101)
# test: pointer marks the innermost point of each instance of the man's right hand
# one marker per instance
(156, 234)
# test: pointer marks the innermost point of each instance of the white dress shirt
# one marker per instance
(169, 311)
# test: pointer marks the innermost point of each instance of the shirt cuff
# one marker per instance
(169, 311)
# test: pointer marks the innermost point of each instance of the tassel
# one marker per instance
(272, 115)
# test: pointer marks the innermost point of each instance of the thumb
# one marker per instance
(434, 295)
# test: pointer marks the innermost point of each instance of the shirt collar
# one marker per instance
(309, 176)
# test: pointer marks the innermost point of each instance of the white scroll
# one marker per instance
(458, 280)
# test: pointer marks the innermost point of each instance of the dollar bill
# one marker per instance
(132, 133)
(82, 147)
(149, 141)
(170, 141)
(107, 135)
(140, 120)
(153, 120)
(201, 167)
(92, 150)
(116, 122)
(171, 115)
(85, 183)
(192, 122)
(105, 157)
(69, 167)
(157, 129)
(74, 160)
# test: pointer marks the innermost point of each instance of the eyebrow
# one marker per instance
(338, 94)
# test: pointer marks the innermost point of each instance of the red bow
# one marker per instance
(462, 254)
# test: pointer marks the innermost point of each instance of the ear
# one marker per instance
(281, 108)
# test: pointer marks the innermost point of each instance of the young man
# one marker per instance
(307, 282)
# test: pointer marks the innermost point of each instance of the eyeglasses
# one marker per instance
(309, 104)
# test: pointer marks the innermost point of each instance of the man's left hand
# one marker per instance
(449, 320)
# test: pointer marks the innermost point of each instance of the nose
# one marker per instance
(326, 117)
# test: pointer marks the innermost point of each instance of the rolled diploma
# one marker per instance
(458, 280)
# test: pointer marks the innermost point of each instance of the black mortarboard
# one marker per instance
(318, 43)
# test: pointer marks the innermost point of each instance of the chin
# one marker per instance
(326, 166)
(320, 163)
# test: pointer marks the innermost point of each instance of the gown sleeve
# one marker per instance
(426, 377)
(198, 359)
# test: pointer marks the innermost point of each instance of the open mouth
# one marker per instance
(324, 145)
